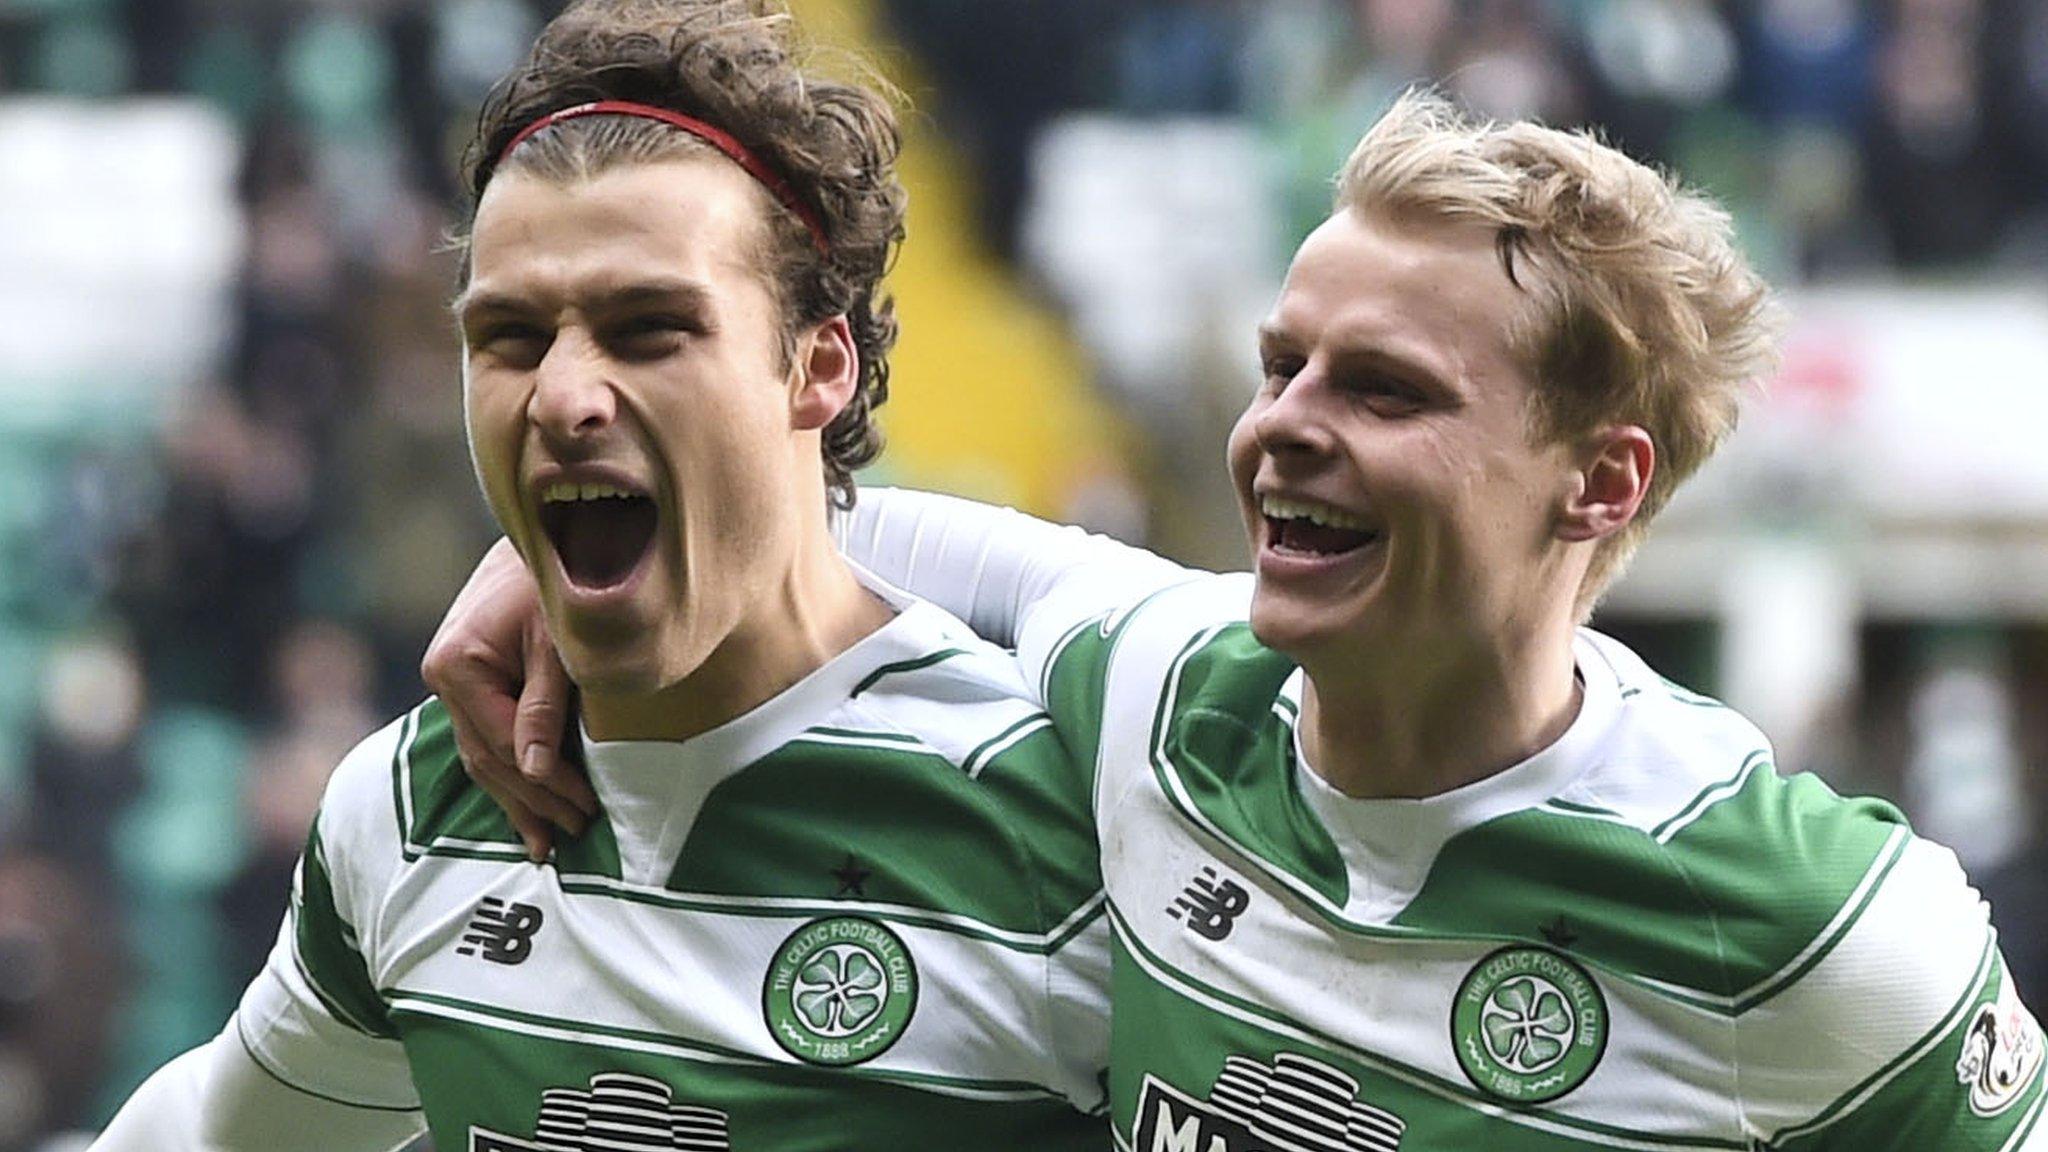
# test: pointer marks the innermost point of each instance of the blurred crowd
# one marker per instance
(1848, 135)
(223, 614)
(216, 617)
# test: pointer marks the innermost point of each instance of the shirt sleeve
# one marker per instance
(314, 1018)
(1914, 1011)
(217, 1097)
(1007, 574)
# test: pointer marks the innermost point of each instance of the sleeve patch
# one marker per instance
(2002, 1053)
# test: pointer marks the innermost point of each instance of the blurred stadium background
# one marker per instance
(234, 495)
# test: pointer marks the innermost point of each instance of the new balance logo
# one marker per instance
(502, 933)
(620, 1112)
(1211, 906)
(1294, 1105)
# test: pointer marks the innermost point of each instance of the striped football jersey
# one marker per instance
(1642, 937)
(866, 915)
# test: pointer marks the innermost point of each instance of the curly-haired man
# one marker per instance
(840, 893)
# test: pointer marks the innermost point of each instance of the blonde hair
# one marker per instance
(1646, 313)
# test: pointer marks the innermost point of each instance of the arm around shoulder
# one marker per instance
(998, 569)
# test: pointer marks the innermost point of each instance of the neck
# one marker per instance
(1394, 728)
(814, 612)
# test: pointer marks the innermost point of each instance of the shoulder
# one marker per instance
(1676, 852)
(1168, 621)
(1808, 897)
(958, 738)
(358, 848)
(1878, 1017)
(1784, 867)
(361, 806)
(1667, 752)
(1158, 624)
(1719, 904)
(403, 790)
(1122, 663)
(960, 699)
(962, 724)
(1775, 863)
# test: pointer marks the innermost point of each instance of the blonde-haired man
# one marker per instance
(1400, 856)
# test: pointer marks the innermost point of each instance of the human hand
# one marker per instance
(495, 667)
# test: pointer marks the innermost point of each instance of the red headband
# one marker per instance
(717, 138)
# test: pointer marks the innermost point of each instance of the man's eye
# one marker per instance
(514, 341)
(1278, 370)
(1387, 396)
(650, 335)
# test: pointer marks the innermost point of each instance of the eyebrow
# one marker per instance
(1415, 369)
(687, 294)
(1412, 364)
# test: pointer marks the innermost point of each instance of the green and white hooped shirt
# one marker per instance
(866, 915)
(1643, 937)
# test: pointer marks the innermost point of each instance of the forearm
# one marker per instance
(216, 1098)
(996, 568)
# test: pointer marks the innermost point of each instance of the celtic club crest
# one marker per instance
(839, 991)
(1528, 1024)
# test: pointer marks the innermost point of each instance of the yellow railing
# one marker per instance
(991, 397)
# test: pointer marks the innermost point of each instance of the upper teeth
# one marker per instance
(1281, 508)
(564, 492)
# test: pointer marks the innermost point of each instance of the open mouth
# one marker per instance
(1315, 539)
(1312, 529)
(600, 532)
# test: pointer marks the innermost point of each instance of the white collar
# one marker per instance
(652, 790)
(1389, 845)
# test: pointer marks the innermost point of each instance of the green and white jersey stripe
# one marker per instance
(1642, 937)
(866, 915)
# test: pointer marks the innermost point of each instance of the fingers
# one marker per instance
(547, 771)
(540, 724)
(500, 777)
(479, 693)
(477, 664)
(481, 754)
(473, 662)
(539, 801)
(533, 831)
(529, 806)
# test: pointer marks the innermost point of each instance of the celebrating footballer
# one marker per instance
(839, 892)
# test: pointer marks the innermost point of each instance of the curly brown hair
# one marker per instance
(733, 64)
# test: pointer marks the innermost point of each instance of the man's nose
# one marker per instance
(573, 397)
(1297, 420)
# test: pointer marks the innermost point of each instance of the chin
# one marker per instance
(1306, 633)
(605, 676)
(630, 669)
(1282, 628)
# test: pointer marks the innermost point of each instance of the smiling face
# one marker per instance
(1394, 497)
(639, 433)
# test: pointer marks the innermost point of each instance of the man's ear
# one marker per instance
(1615, 466)
(827, 370)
